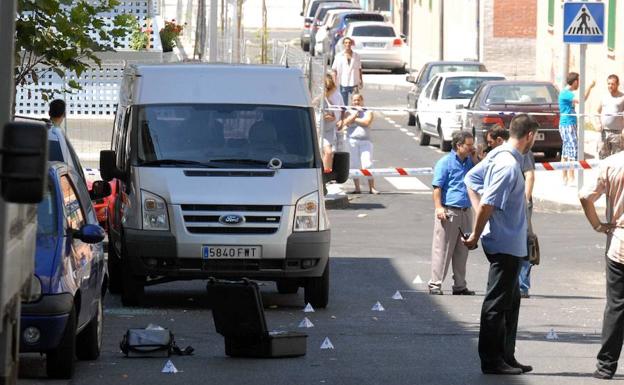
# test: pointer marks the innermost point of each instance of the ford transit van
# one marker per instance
(219, 175)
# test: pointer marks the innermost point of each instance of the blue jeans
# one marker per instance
(345, 91)
(525, 276)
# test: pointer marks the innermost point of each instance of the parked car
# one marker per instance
(62, 318)
(440, 104)
(321, 39)
(425, 74)
(339, 26)
(100, 205)
(319, 16)
(308, 15)
(378, 44)
(518, 97)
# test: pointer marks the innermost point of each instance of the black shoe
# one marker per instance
(502, 368)
(602, 375)
(524, 294)
(463, 292)
(524, 368)
(435, 291)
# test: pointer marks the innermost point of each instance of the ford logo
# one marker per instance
(231, 219)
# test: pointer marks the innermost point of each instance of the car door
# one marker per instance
(425, 114)
(79, 253)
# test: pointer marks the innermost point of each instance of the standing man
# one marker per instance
(57, 112)
(452, 212)
(610, 181)
(347, 70)
(611, 124)
(568, 123)
(502, 225)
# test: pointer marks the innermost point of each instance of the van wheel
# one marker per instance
(316, 290)
(114, 271)
(89, 341)
(425, 139)
(287, 287)
(60, 361)
(133, 286)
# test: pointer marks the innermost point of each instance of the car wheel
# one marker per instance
(89, 341)
(287, 287)
(305, 47)
(445, 145)
(133, 286)
(425, 139)
(60, 361)
(316, 290)
(411, 119)
(114, 270)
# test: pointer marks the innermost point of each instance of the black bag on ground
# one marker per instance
(239, 317)
(151, 342)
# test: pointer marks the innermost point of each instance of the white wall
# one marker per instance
(281, 14)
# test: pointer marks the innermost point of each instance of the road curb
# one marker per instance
(336, 201)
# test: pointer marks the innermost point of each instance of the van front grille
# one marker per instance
(210, 219)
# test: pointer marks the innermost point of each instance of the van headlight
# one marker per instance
(32, 292)
(307, 213)
(155, 215)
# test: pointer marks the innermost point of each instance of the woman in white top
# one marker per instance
(358, 125)
(333, 123)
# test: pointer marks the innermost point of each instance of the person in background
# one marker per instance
(358, 125)
(452, 215)
(347, 70)
(333, 123)
(611, 123)
(57, 112)
(501, 223)
(610, 182)
(568, 123)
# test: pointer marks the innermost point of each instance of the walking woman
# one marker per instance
(358, 125)
(333, 123)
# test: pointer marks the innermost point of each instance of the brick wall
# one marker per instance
(514, 18)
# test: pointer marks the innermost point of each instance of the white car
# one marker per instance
(378, 44)
(440, 104)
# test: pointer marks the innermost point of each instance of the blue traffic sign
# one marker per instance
(583, 22)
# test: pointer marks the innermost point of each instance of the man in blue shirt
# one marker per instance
(568, 123)
(501, 223)
(452, 212)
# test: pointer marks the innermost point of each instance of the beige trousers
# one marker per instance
(447, 246)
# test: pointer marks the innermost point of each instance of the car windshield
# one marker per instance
(522, 94)
(47, 220)
(463, 87)
(373, 30)
(224, 135)
(436, 69)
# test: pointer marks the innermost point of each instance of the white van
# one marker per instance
(219, 175)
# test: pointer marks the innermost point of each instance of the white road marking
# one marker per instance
(410, 134)
(407, 183)
(404, 129)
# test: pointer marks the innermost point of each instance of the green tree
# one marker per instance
(60, 35)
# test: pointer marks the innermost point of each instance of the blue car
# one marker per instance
(62, 317)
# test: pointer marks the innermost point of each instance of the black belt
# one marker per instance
(457, 208)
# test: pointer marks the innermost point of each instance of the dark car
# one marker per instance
(503, 98)
(321, 11)
(62, 318)
(427, 72)
(308, 14)
(339, 27)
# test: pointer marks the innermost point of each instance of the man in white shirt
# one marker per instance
(611, 124)
(347, 70)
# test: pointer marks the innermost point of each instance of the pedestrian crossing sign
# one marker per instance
(583, 22)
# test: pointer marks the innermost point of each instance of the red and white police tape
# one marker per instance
(401, 171)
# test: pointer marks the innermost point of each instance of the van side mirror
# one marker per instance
(24, 154)
(89, 234)
(99, 189)
(108, 166)
(340, 171)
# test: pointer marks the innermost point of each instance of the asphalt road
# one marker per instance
(380, 244)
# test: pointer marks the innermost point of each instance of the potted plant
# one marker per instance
(169, 33)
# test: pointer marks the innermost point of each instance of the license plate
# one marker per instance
(231, 252)
(539, 136)
(375, 45)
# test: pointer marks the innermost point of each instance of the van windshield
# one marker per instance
(224, 135)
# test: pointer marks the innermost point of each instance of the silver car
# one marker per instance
(378, 44)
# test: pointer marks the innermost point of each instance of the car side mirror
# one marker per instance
(24, 154)
(100, 189)
(340, 168)
(459, 106)
(108, 166)
(404, 38)
(410, 79)
(89, 234)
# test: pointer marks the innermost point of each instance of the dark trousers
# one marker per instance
(613, 323)
(499, 314)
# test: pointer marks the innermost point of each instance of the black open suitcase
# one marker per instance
(239, 317)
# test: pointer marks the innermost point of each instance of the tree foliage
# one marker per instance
(61, 35)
